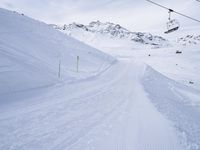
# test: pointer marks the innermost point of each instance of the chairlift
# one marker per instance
(172, 24)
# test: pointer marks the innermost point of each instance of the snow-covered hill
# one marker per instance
(189, 40)
(185, 36)
(98, 33)
(30, 52)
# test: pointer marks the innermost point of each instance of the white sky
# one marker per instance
(133, 14)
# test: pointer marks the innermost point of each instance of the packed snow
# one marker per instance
(124, 97)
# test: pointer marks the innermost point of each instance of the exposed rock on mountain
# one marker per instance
(111, 30)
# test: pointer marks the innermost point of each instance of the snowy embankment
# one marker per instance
(179, 103)
(30, 52)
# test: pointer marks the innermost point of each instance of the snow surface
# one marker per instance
(30, 52)
(139, 99)
(110, 114)
(183, 67)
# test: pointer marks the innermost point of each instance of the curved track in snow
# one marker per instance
(108, 112)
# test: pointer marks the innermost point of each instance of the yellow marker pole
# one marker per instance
(77, 65)
(59, 69)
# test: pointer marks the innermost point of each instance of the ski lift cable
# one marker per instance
(171, 10)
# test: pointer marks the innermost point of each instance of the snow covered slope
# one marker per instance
(30, 52)
(189, 40)
(186, 36)
(182, 67)
(124, 106)
(107, 34)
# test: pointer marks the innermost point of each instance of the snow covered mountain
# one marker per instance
(189, 40)
(95, 30)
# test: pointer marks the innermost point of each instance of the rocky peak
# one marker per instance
(115, 31)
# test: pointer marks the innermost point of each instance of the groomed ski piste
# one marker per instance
(122, 100)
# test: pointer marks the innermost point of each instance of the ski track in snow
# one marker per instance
(114, 114)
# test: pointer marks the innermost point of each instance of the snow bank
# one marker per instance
(30, 52)
(180, 104)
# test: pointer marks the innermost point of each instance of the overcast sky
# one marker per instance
(133, 14)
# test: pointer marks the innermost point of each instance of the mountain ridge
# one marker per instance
(113, 30)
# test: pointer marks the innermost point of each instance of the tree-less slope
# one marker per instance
(30, 52)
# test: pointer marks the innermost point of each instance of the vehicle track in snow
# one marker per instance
(110, 111)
